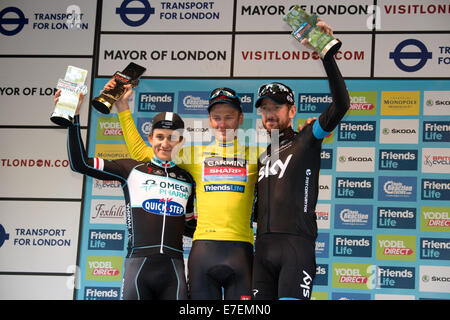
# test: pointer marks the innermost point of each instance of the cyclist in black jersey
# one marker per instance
(159, 202)
(288, 184)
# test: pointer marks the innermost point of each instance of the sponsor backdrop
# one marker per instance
(384, 201)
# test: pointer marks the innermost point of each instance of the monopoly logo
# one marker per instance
(326, 159)
(435, 189)
(193, 102)
(436, 160)
(101, 293)
(108, 128)
(436, 103)
(396, 247)
(435, 248)
(394, 159)
(354, 188)
(353, 276)
(434, 279)
(400, 102)
(355, 159)
(104, 268)
(436, 131)
(155, 102)
(111, 151)
(397, 188)
(363, 103)
(106, 239)
(357, 130)
(399, 131)
(322, 245)
(396, 218)
(353, 216)
(435, 219)
(313, 102)
(395, 277)
(352, 246)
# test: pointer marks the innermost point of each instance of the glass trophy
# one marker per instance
(71, 86)
(130, 75)
(304, 26)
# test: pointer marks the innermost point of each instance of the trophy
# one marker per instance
(304, 26)
(106, 99)
(71, 87)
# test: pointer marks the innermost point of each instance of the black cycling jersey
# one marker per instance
(158, 195)
(288, 182)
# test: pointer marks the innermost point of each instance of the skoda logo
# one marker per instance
(400, 57)
(140, 14)
(16, 19)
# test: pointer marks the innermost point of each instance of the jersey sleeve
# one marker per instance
(136, 145)
(191, 221)
(331, 117)
(93, 167)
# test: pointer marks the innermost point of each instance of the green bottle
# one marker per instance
(304, 26)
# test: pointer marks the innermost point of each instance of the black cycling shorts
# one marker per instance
(284, 267)
(156, 277)
(214, 265)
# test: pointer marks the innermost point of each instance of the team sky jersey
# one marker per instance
(225, 177)
(157, 195)
(288, 183)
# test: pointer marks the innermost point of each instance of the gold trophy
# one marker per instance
(130, 75)
(70, 86)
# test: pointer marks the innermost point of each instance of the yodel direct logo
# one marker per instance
(396, 247)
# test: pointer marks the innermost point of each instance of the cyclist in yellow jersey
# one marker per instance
(225, 174)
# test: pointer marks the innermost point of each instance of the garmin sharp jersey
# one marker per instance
(157, 195)
(225, 177)
(288, 184)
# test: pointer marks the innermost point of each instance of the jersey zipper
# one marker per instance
(164, 216)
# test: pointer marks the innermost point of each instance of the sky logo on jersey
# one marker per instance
(435, 189)
(396, 218)
(396, 247)
(397, 159)
(353, 216)
(357, 130)
(434, 248)
(361, 188)
(155, 102)
(220, 169)
(436, 131)
(435, 219)
(163, 206)
(397, 188)
(390, 277)
(352, 246)
(313, 102)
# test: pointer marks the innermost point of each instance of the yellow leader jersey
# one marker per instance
(225, 175)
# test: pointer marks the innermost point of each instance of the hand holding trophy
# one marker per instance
(68, 100)
(312, 32)
(130, 75)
